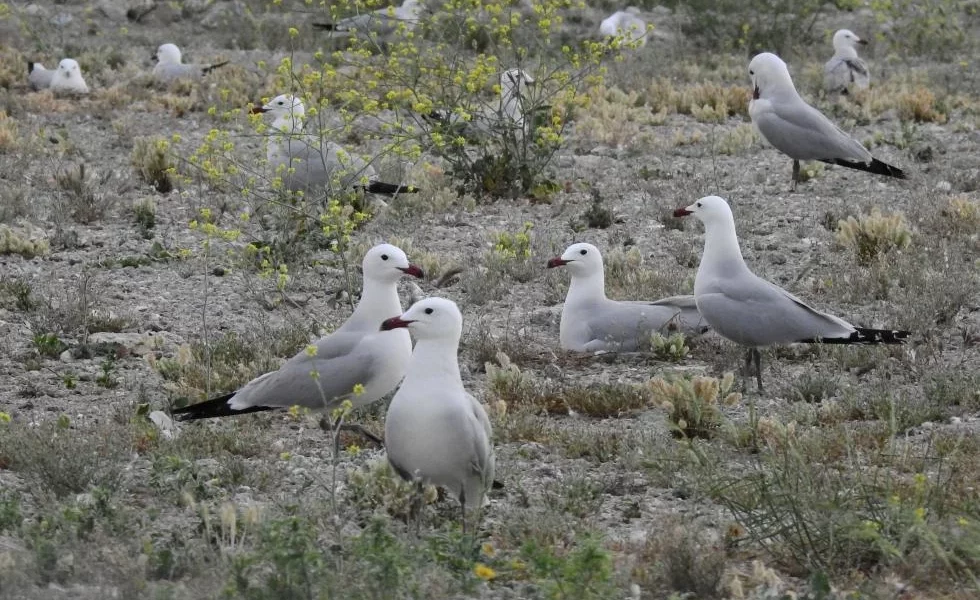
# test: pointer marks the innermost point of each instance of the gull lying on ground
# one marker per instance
(591, 322)
(382, 23)
(38, 76)
(797, 129)
(626, 23)
(751, 311)
(296, 156)
(846, 70)
(169, 67)
(435, 432)
(68, 78)
(326, 373)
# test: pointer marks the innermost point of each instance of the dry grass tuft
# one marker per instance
(9, 134)
(23, 239)
(919, 105)
(872, 236)
(612, 116)
(707, 102)
(693, 404)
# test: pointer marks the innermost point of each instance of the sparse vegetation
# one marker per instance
(693, 405)
(874, 235)
(153, 164)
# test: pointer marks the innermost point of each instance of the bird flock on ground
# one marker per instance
(435, 431)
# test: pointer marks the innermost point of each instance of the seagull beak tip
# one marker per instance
(681, 212)
(557, 262)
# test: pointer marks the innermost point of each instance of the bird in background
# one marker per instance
(591, 322)
(797, 129)
(308, 163)
(436, 433)
(328, 372)
(169, 67)
(753, 312)
(68, 78)
(626, 23)
(382, 23)
(39, 77)
(845, 70)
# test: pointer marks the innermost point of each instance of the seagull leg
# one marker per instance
(757, 354)
(796, 173)
(747, 371)
(415, 508)
(462, 508)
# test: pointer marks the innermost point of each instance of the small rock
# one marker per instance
(112, 10)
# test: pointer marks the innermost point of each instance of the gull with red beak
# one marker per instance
(751, 311)
(435, 432)
(797, 129)
(355, 362)
(590, 322)
(846, 71)
(308, 163)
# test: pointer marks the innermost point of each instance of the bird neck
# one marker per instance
(590, 287)
(287, 124)
(846, 52)
(432, 360)
(379, 301)
(721, 252)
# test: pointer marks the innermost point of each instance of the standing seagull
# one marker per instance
(749, 310)
(68, 78)
(39, 77)
(797, 129)
(383, 22)
(303, 167)
(326, 373)
(846, 70)
(170, 68)
(591, 322)
(436, 432)
(626, 23)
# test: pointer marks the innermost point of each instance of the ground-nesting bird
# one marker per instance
(169, 67)
(382, 23)
(435, 432)
(304, 164)
(328, 372)
(38, 77)
(797, 129)
(751, 311)
(626, 23)
(591, 322)
(68, 78)
(846, 71)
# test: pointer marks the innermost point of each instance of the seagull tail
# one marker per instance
(215, 407)
(877, 167)
(379, 187)
(863, 335)
(30, 66)
(210, 68)
(326, 27)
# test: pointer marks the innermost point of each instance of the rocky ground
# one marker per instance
(853, 473)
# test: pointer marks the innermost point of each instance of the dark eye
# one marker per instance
(279, 103)
(699, 205)
(428, 311)
(384, 257)
(583, 252)
(751, 72)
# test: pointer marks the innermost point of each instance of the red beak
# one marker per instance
(394, 323)
(557, 262)
(413, 270)
(863, 42)
(681, 212)
(755, 93)
(258, 110)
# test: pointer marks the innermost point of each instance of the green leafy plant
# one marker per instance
(693, 404)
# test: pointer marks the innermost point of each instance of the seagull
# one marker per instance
(383, 22)
(626, 23)
(68, 78)
(846, 70)
(797, 129)
(305, 167)
(38, 76)
(590, 322)
(753, 312)
(435, 432)
(170, 68)
(326, 373)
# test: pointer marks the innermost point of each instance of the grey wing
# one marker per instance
(689, 318)
(312, 381)
(858, 72)
(351, 167)
(40, 78)
(836, 76)
(307, 167)
(484, 459)
(753, 312)
(627, 326)
(175, 72)
(803, 133)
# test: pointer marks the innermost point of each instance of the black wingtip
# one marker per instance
(210, 68)
(876, 167)
(213, 408)
(379, 187)
(30, 66)
(325, 26)
(497, 485)
(863, 335)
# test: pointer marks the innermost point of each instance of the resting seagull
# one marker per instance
(626, 23)
(383, 22)
(38, 76)
(325, 374)
(68, 78)
(170, 68)
(846, 70)
(751, 311)
(590, 322)
(797, 129)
